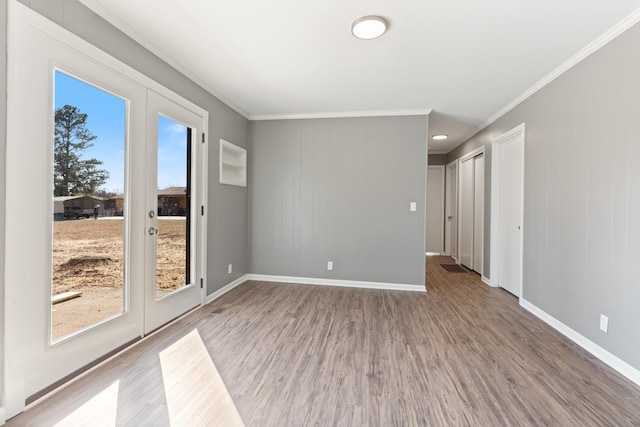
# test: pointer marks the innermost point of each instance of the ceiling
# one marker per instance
(465, 60)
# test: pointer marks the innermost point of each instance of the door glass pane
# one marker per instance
(174, 194)
(88, 283)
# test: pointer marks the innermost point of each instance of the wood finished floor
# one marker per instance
(463, 354)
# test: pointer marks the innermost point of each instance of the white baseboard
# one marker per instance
(3, 414)
(613, 361)
(343, 283)
(486, 281)
(226, 288)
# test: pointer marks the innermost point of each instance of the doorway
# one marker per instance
(84, 150)
(507, 207)
(435, 209)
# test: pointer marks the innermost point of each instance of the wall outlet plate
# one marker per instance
(329, 265)
(230, 269)
(604, 323)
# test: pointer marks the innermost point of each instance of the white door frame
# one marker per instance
(478, 151)
(496, 146)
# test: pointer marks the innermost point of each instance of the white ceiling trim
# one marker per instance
(591, 48)
(117, 22)
(342, 114)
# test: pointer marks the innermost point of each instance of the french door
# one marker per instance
(106, 241)
(173, 221)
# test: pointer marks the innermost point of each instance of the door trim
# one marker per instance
(516, 133)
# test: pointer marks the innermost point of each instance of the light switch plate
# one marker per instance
(412, 206)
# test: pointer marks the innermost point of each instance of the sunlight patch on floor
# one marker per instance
(195, 392)
(101, 410)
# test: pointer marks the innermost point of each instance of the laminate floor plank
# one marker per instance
(464, 354)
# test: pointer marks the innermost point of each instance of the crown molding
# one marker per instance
(342, 114)
(591, 48)
(120, 24)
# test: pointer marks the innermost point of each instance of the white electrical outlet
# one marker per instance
(230, 268)
(329, 265)
(604, 323)
(413, 206)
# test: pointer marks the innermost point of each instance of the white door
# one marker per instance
(451, 210)
(78, 145)
(471, 211)
(174, 222)
(435, 209)
(466, 212)
(509, 158)
(478, 212)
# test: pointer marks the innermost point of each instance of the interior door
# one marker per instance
(451, 210)
(466, 212)
(510, 240)
(435, 209)
(174, 189)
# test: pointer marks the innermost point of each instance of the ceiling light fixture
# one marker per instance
(440, 137)
(369, 27)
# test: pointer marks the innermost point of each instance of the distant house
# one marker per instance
(73, 207)
(114, 205)
(172, 201)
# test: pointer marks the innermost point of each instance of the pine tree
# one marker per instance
(73, 175)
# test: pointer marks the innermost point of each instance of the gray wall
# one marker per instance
(3, 144)
(227, 205)
(339, 190)
(582, 202)
(438, 159)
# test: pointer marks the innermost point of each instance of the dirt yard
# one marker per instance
(88, 257)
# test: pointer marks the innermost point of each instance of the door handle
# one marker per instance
(152, 231)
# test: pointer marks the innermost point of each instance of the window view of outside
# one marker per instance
(89, 209)
(88, 206)
(173, 207)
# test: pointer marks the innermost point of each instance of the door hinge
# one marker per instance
(201, 283)
(203, 137)
(202, 210)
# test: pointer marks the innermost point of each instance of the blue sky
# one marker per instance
(106, 120)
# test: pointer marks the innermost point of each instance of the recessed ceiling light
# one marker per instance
(369, 27)
(439, 137)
